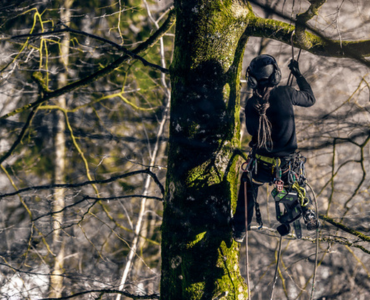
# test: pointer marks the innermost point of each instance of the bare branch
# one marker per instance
(96, 37)
(345, 228)
(96, 200)
(302, 20)
(76, 185)
(103, 72)
(153, 296)
(318, 43)
(21, 135)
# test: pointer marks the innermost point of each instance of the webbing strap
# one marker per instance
(270, 160)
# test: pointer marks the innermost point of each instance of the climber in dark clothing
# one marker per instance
(270, 121)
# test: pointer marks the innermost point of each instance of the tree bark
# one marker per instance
(199, 256)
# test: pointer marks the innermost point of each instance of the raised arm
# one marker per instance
(303, 97)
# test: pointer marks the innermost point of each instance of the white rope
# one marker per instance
(246, 236)
(276, 268)
(317, 244)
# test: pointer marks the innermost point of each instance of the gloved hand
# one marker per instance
(294, 68)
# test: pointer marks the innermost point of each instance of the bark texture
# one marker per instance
(199, 257)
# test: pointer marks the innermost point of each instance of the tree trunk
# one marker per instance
(56, 279)
(199, 256)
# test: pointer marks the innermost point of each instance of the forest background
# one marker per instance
(83, 169)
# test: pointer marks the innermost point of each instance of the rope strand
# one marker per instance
(264, 139)
(317, 244)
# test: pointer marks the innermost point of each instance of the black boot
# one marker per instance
(238, 236)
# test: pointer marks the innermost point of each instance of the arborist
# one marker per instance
(274, 158)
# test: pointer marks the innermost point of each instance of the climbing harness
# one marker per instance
(290, 199)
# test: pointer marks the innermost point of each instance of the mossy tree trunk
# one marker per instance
(199, 257)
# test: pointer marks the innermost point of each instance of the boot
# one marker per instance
(238, 236)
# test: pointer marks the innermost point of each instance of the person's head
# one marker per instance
(263, 75)
(263, 72)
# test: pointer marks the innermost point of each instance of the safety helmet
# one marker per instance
(263, 71)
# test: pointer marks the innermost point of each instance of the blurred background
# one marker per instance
(102, 229)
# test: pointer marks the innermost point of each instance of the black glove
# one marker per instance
(294, 68)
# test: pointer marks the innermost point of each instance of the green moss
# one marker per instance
(198, 238)
(226, 91)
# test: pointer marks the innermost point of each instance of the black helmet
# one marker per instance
(263, 71)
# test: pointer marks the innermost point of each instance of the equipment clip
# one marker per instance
(247, 165)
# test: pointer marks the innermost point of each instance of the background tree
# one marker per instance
(117, 91)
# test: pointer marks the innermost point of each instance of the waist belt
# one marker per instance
(276, 161)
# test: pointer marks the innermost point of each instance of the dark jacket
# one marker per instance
(281, 115)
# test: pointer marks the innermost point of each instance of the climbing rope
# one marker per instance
(317, 245)
(246, 234)
(276, 268)
(289, 83)
(290, 78)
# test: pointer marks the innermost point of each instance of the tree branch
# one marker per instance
(318, 43)
(345, 228)
(334, 239)
(21, 135)
(76, 185)
(153, 296)
(302, 20)
(119, 47)
(96, 200)
(103, 72)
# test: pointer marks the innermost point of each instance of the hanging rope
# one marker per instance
(276, 268)
(291, 77)
(290, 82)
(246, 235)
(317, 244)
